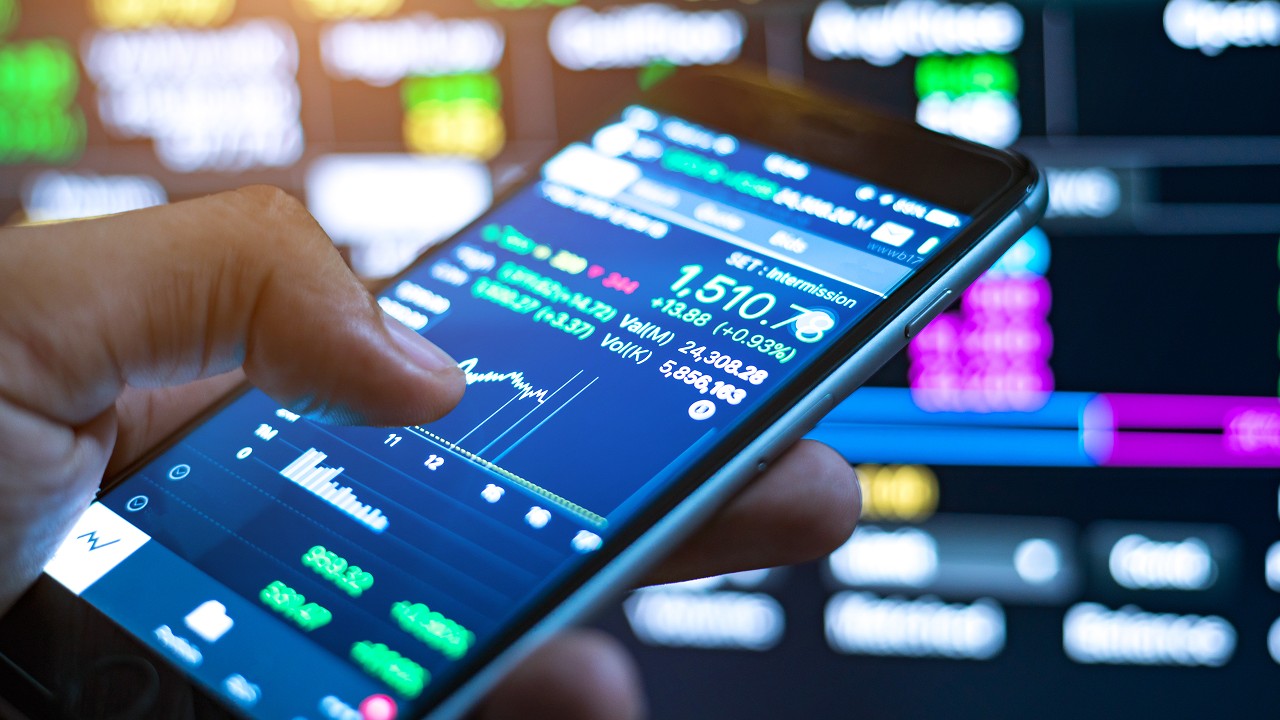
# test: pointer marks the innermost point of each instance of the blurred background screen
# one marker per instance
(1071, 479)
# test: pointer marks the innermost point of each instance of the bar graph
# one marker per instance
(309, 474)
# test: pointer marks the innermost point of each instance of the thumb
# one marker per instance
(171, 294)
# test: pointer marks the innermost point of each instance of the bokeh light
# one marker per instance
(342, 9)
(149, 13)
(39, 121)
(454, 115)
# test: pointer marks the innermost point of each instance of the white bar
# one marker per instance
(942, 217)
(582, 168)
(299, 466)
(320, 481)
(309, 478)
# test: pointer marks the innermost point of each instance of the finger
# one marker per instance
(803, 507)
(149, 415)
(166, 295)
(580, 675)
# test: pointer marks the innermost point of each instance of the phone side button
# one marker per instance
(930, 312)
(816, 412)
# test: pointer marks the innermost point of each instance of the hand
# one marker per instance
(804, 507)
(96, 312)
(115, 331)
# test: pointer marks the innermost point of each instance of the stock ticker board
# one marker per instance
(1071, 480)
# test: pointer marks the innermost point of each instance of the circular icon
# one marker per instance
(865, 193)
(702, 410)
(378, 707)
(615, 140)
(641, 118)
(815, 321)
(724, 145)
(136, 503)
(538, 517)
(178, 472)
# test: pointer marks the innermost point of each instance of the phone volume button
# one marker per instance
(816, 412)
(931, 311)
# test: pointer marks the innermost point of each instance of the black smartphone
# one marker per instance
(668, 305)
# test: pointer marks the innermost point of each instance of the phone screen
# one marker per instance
(616, 319)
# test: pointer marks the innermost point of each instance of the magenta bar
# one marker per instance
(1182, 412)
(1189, 450)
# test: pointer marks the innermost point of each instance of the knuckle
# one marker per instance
(276, 218)
(268, 200)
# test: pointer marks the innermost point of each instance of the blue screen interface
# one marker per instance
(616, 319)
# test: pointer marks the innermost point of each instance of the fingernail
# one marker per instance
(419, 350)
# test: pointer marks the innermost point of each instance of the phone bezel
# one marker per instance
(986, 184)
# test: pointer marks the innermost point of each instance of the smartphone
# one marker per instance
(644, 326)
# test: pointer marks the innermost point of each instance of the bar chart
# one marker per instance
(308, 473)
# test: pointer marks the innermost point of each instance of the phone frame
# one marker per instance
(1003, 193)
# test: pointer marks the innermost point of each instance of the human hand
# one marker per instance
(115, 331)
(803, 507)
(97, 314)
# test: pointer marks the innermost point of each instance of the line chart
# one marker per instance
(561, 502)
(522, 405)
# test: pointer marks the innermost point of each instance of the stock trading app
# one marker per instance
(1117, 370)
(614, 320)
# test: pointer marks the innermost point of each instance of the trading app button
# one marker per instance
(378, 707)
(702, 410)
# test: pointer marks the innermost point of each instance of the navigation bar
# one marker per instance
(582, 168)
(763, 236)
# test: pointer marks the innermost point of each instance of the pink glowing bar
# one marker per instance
(1134, 449)
(1245, 431)
(1181, 412)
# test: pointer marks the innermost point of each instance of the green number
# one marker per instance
(689, 273)
(766, 299)
(738, 293)
(714, 290)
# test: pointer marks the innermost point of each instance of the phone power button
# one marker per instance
(931, 311)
